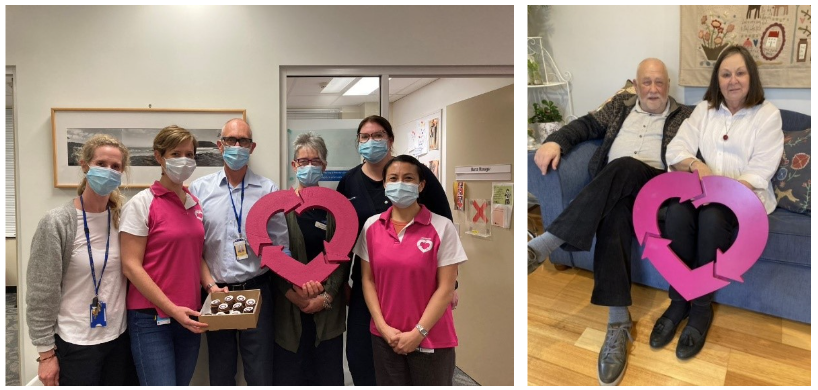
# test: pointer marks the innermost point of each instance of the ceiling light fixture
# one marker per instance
(337, 84)
(364, 86)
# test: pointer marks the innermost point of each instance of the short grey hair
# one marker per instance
(312, 141)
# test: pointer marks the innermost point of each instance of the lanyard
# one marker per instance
(90, 256)
(241, 207)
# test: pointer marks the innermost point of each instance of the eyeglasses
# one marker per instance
(243, 142)
(379, 136)
(316, 162)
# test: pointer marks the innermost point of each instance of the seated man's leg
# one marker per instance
(577, 224)
(612, 288)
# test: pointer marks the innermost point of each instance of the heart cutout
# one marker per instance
(335, 251)
(729, 265)
(425, 245)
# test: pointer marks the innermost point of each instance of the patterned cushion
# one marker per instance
(627, 88)
(792, 181)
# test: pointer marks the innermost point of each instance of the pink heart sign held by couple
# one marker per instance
(753, 227)
(335, 251)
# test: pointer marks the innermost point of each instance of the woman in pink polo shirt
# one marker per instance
(410, 265)
(162, 237)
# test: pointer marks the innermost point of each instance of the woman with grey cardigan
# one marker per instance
(75, 289)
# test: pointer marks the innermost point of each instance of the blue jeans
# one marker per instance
(164, 355)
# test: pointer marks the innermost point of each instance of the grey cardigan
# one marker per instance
(51, 250)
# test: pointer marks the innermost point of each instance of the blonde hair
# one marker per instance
(171, 137)
(86, 155)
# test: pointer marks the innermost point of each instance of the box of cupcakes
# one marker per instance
(231, 310)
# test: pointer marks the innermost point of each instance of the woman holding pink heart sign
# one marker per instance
(309, 332)
(734, 133)
(410, 259)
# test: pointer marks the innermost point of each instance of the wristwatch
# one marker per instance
(422, 330)
(209, 285)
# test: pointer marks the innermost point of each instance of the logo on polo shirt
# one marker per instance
(425, 245)
(199, 215)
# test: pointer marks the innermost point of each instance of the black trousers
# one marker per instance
(255, 345)
(311, 365)
(359, 343)
(106, 364)
(604, 208)
(696, 233)
(414, 369)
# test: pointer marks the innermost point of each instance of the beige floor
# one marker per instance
(565, 333)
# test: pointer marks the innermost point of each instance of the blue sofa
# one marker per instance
(778, 284)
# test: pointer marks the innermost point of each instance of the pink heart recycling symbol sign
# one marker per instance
(753, 227)
(335, 251)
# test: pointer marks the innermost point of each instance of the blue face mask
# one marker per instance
(103, 180)
(402, 194)
(236, 157)
(373, 151)
(309, 175)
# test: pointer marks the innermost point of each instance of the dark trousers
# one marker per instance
(255, 345)
(106, 364)
(321, 365)
(414, 369)
(605, 208)
(696, 233)
(359, 343)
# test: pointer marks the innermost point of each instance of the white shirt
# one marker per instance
(751, 153)
(641, 137)
(221, 227)
(74, 318)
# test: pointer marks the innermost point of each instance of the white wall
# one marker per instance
(602, 45)
(208, 57)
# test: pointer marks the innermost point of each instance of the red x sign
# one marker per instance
(481, 211)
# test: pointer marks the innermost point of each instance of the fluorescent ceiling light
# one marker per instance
(364, 86)
(337, 84)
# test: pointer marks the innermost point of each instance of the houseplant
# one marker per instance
(546, 119)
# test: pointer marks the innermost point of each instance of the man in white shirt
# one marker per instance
(635, 131)
(226, 198)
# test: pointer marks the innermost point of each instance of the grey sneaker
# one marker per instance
(533, 262)
(613, 358)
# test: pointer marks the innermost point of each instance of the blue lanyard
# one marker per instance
(90, 256)
(241, 207)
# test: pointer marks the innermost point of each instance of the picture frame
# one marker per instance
(136, 128)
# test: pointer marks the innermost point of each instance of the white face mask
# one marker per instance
(179, 169)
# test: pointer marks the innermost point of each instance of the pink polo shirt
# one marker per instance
(404, 267)
(173, 252)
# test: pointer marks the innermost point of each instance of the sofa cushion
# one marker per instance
(792, 181)
(789, 239)
(627, 88)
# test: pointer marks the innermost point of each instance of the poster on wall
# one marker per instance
(136, 128)
(777, 36)
(434, 126)
(459, 195)
(502, 204)
(423, 143)
(434, 166)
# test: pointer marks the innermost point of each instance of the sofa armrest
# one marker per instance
(559, 187)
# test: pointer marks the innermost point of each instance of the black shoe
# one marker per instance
(663, 331)
(613, 358)
(691, 341)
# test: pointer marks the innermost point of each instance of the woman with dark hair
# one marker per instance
(410, 258)
(363, 186)
(75, 310)
(739, 136)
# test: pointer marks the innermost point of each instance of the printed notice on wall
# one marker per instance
(502, 203)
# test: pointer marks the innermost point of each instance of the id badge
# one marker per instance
(426, 350)
(240, 249)
(162, 320)
(101, 317)
(321, 225)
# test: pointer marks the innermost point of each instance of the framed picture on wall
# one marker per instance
(136, 128)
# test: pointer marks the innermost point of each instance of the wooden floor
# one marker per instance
(565, 333)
